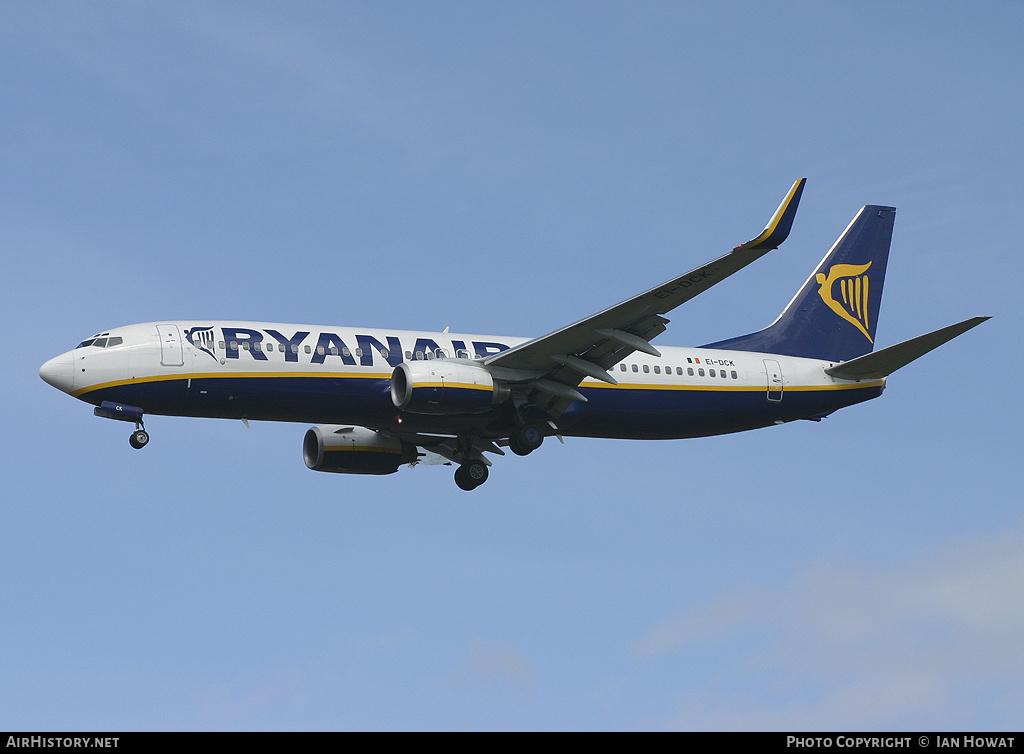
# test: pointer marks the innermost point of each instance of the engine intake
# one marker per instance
(354, 450)
(442, 386)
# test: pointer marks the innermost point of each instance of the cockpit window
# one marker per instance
(101, 342)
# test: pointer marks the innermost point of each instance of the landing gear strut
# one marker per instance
(125, 413)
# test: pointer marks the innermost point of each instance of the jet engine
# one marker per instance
(354, 450)
(442, 386)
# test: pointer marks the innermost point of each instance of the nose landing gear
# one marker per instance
(125, 413)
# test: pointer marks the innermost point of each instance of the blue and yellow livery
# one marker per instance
(384, 398)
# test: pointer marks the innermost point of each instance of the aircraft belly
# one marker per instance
(277, 398)
(680, 413)
(166, 397)
(287, 398)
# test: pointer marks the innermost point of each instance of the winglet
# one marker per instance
(777, 229)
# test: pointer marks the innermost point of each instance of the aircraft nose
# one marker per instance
(59, 372)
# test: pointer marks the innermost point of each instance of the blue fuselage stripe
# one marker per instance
(625, 411)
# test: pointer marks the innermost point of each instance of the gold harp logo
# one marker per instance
(853, 293)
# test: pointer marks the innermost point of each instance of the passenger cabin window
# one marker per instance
(735, 376)
(636, 368)
(647, 369)
(270, 346)
(700, 371)
(689, 371)
(679, 371)
(711, 372)
(657, 369)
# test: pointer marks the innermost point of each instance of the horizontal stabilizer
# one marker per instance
(888, 360)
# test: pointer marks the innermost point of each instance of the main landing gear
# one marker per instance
(528, 435)
(472, 472)
(526, 438)
(532, 424)
(471, 475)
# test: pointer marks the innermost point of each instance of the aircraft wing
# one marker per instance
(593, 345)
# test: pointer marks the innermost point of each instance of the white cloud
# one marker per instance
(848, 645)
(705, 624)
(252, 698)
(503, 666)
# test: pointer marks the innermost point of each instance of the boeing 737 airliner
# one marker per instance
(383, 398)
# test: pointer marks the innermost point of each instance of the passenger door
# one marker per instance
(170, 346)
(773, 371)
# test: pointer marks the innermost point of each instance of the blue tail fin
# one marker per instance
(833, 315)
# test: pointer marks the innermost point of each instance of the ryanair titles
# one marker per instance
(361, 350)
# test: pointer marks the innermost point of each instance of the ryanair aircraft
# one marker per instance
(383, 398)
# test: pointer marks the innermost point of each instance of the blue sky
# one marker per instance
(509, 168)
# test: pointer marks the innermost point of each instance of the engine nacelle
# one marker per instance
(442, 386)
(354, 450)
